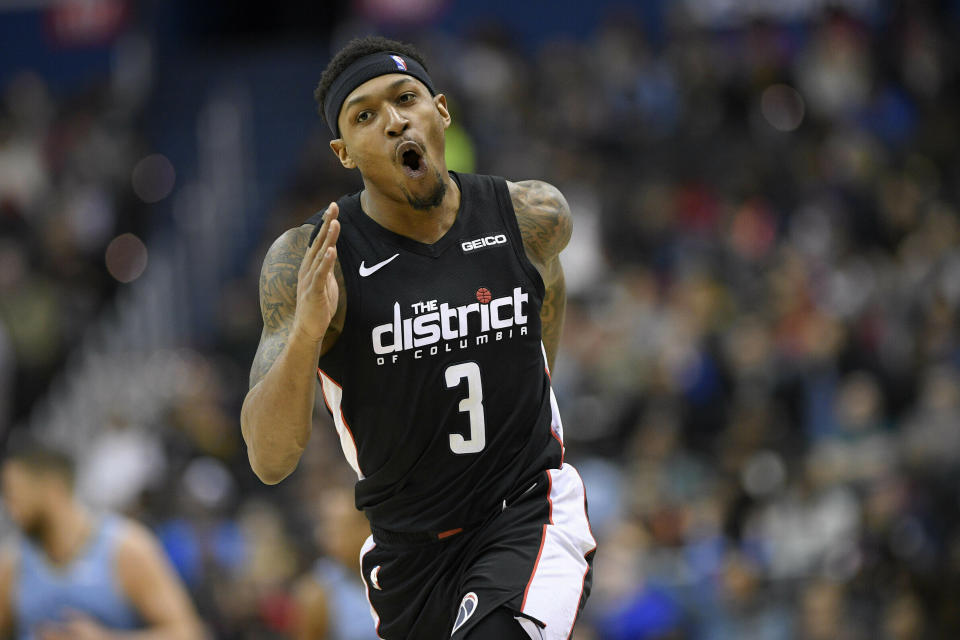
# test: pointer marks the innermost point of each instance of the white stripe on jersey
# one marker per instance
(546, 363)
(333, 396)
(556, 424)
(554, 590)
(367, 548)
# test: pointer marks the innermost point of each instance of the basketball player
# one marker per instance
(433, 302)
(74, 576)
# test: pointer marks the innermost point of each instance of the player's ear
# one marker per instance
(339, 148)
(440, 101)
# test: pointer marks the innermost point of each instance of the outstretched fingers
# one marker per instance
(328, 216)
(331, 235)
(317, 249)
(327, 255)
(326, 264)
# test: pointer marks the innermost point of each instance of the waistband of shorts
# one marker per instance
(386, 536)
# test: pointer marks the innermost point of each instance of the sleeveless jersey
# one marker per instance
(45, 593)
(438, 384)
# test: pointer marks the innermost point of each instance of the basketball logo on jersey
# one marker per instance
(467, 608)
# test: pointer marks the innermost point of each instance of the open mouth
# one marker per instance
(411, 159)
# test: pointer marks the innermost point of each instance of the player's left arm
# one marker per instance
(546, 225)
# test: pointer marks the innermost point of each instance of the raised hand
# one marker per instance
(317, 291)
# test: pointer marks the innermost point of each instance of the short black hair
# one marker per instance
(40, 456)
(354, 50)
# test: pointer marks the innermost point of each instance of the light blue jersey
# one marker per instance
(347, 602)
(44, 593)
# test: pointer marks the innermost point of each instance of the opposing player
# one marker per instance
(73, 576)
(433, 302)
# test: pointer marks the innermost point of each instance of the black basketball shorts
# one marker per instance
(534, 557)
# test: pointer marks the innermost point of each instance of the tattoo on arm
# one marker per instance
(544, 218)
(552, 313)
(546, 226)
(278, 297)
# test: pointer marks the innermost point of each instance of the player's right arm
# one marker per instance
(7, 565)
(303, 310)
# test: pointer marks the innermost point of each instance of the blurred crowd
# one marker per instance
(760, 369)
(65, 194)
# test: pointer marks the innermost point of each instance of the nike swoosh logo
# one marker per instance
(366, 271)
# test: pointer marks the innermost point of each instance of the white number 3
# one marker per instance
(472, 405)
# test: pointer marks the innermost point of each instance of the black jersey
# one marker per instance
(438, 384)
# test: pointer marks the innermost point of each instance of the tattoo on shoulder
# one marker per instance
(543, 215)
(278, 296)
(278, 277)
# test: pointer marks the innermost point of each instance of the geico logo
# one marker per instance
(479, 243)
(448, 323)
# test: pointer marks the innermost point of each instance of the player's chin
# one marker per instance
(426, 192)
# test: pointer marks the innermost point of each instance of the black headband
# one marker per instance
(367, 68)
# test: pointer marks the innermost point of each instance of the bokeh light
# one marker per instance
(126, 257)
(782, 107)
(153, 178)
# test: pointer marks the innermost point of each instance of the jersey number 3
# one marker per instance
(472, 405)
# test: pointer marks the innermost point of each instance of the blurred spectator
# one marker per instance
(331, 599)
(73, 574)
